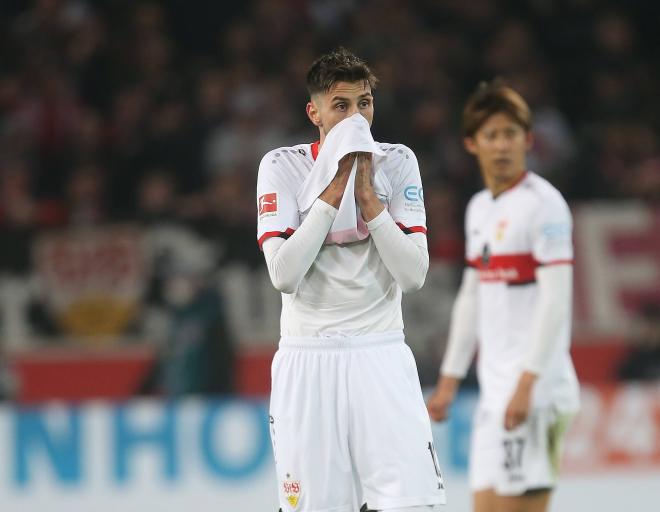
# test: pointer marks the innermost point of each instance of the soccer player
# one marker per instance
(348, 422)
(515, 299)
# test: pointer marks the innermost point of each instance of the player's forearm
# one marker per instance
(552, 314)
(462, 340)
(448, 384)
(289, 260)
(405, 260)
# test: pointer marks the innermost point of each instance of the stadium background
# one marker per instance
(137, 321)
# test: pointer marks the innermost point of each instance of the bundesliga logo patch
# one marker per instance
(268, 203)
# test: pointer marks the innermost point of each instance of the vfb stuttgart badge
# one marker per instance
(291, 491)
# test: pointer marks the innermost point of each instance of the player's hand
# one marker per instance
(519, 405)
(335, 190)
(364, 178)
(370, 205)
(443, 396)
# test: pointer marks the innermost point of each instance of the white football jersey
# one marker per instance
(507, 239)
(347, 291)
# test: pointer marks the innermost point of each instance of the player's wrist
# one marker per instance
(331, 197)
(527, 380)
(448, 384)
(370, 207)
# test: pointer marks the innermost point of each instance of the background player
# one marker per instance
(346, 399)
(515, 298)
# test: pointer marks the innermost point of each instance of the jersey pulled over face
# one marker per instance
(344, 99)
(507, 238)
(500, 145)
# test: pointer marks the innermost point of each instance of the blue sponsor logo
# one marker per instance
(60, 440)
(558, 230)
(413, 193)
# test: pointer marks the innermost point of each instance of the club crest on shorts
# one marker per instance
(291, 490)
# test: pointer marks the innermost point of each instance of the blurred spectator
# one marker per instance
(21, 215)
(445, 238)
(643, 361)
(156, 202)
(85, 197)
(197, 355)
(229, 222)
(18, 219)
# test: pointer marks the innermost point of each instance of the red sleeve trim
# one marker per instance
(270, 234)
(556, 262)
(412, 229)
(472, 263)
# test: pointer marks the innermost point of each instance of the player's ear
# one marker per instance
(469, 145)
(530, 140)
(313, 113)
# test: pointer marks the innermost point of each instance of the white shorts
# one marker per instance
(514, 462)
(349, 426)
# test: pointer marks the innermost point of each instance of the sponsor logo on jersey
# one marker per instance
(268, 203)
(291, 490)
(413, 193)
(508, 268)
(556, 231)
(499, 274)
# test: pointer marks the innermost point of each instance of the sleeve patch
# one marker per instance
(268, 204)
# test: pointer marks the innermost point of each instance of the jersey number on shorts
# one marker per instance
(513, 452)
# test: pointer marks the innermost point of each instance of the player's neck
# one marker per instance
(498, 187)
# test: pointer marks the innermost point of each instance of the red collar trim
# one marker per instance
(518, 181)
(315, 149)
(513, 185)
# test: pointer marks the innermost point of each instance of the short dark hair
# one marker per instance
(339, 65)
(493, 98)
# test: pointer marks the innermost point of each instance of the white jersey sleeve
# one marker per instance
(277, 208)
(551, 232)
(462, 340)
(407, 202)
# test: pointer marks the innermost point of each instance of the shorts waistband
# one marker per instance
(343, 342)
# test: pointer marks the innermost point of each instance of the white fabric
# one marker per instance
(348, 136)
(348, 289)
(462, 339)
(423, 508)
(288, 261)
(371, 418)
(512, 462)
(508, 239)
(405, 256)
(553, 310)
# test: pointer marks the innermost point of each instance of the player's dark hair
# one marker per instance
(339, 65)
(494, 98)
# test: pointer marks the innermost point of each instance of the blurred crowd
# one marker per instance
(158, 112)
(146, 110)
